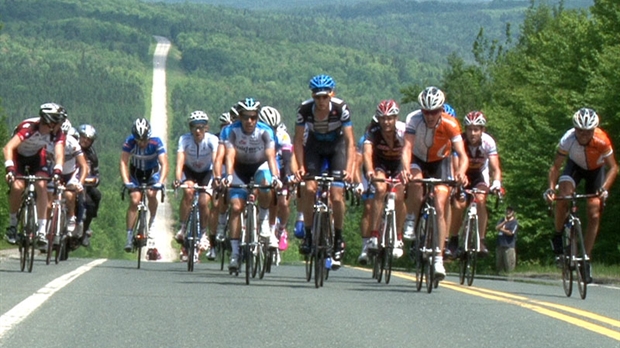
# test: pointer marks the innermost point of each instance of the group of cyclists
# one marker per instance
(48, 147)
(253, 145)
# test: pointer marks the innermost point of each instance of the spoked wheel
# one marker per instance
(432, 242)
(50, 235)
(470, 271)
(380, 264)
(388, 257)
(567, 275)
(319, 267)
(309, 262)
(248, 259)
(263, 257)
(372, 259)
(23, 252)
(418, 261)
(462, 268)
(61, 250)
(31, 238)
(580, 269)
(190, 242)
(582, 283)
(221, 253)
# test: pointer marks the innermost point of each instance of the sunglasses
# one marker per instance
(246, 118)
(196, 128)
(322, 96)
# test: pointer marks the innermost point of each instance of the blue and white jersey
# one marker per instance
(283, 143)
(144, 158)
(198, 157)
(250, 148)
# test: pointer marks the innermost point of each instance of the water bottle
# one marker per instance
(283, 244)
(328, 263)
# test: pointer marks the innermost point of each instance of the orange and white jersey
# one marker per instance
(433, 144)
(590, 156)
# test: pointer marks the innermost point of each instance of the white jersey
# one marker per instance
(198, 157)
(72, 150)
(250, 148)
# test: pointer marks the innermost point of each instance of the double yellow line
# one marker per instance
(567, 314)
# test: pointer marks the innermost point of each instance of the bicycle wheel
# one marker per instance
(62, 251)
(319, 267)
(580, 254)
(318, 250)
(390, 242)
(265, 257)
(463, 245)
(140, 238)
(190, 241)
(309, 263)
(567, 270)
(51, 230)
(247, 258)
(472, 251)
(418, 256)
(32, 228)
(432, 242)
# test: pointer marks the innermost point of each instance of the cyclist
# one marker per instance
(382, 159)
(483, 173)
(330, 137)
(143, 160)
(195, 167)
(585, 150)
(25, 153)
(92, 196)
(367, 195)
(249, 153)
(74, 172)
(287, 166)
(431, 135)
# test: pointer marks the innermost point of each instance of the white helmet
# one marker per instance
(585, 118)
(270, 116)
(66, 126)
(225, 118)
(141, 129)
(198, 116)
(431, 98)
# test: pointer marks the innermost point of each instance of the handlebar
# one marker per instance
(142, 188)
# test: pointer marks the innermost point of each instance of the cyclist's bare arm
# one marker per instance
(368, 152)
(83, 165)
(163, 161)
(350, 144)
(271, 161)
(219, 159)
(459, 148)
(495, 168)
(229, 159)
(59, 155)
(612, 172)
(407, 152)
(298, 148)
(124, 166)
(178, 173)
(554, 173)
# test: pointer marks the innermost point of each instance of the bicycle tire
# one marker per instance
(262, 259)
(190, 241)
(51, 234)
(417, 246)
(463, 245)
(141, 236)
(380, 264)
(32, 228)
(580, 253)
(319, 266)
(391, 242)
(432, 240)
(472, 252)
(375, 265)
(247, 258)
(567, 271)
(21, 237)
(309, 264)
(62, 249)
(317, 248)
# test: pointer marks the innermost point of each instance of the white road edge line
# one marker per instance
(18, 313)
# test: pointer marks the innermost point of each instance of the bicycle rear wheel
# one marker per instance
(463, 258)
(266, 259)
(247, 258)
(580, 254)
(319, 267)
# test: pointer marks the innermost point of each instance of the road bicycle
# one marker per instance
(388, 238)
(27, 223)
(192, 235)
(57, 227)
(252, 252)
(141, 226)
(425, 247)
(574, 257)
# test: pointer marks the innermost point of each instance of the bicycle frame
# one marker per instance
(388, 230)
(57, 226)
(469, 237)
(193, 228)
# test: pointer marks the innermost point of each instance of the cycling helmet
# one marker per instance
(585, 118)
(52, 113)
(141, 129)
(387, 108)
(282, 128)
(322, 84)
(87, 131)
(475, 118)
(431, 98)
(73, 133)
(197, 117)
(66, 126)
(449, 110)
(247, 104)
(225, 118)
(270, 116)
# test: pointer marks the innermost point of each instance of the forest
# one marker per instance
(527, 66)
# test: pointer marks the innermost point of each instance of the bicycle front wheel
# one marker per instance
(418, 256)
(580, 254)
(472, 251)
(142, 233)
(32, 230)
(390, 243)
(432, 243)
(190, 242)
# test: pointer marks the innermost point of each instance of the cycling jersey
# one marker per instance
(382, 152)
(250, 148)
(433, 144)
(144, 159)
(198, 157)
(93, 161)
(72, 150)
(479, 155)
(590, 156)
(330, 129)
(32, 141)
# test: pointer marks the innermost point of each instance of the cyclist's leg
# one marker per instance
(237, 204)
(377, 207)
(265, 203)
(413, 201)
(41, 189)
(456, 219)
(594, 180)
(365, 224)
(132, 215)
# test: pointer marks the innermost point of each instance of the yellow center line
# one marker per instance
(534, 305)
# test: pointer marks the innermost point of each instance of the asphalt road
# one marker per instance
(110, 303)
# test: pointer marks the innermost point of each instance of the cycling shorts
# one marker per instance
(244, 173)
(317, 152)
(149, 177)
(35, 164)
(574, 173)
(441, 169)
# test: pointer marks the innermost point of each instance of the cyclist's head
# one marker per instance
(141, 129)
(585, 119)
(52, 113)
(387, 108)
(322, 85)
(197, 118)
(247, 104)
(431, 98)
(225, 119)
(88, 132)
(66, 126)
(270, 116)
(449, 110)
(475, 118)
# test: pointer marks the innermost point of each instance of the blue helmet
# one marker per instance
(448, 109)
(322, 83)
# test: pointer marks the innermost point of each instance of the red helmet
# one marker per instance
(387, 108)
(475, 118)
